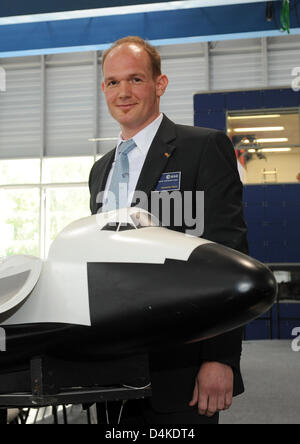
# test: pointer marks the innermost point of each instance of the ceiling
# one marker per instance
(33, 7)
(35, 27)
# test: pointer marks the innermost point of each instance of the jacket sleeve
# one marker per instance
(92, 188)
(223, 223)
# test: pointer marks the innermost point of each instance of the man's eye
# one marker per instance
(112, 83)
(136, 80)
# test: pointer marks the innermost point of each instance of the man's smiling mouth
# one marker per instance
(127, 106)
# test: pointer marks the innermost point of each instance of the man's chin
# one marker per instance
(125, 118)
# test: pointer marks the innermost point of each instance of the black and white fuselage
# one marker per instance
(122, 283)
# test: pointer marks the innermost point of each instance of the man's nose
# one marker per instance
(124, 89)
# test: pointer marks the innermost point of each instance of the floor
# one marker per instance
(271, 375)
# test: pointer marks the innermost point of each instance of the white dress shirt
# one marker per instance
(137, 156)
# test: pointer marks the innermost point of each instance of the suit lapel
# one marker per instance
(158, 156)
(104, 172)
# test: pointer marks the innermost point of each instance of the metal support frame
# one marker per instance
(264, 61)
(207, 66)
(96, 105)
(74, 396)
(45, 390)
(42, 223)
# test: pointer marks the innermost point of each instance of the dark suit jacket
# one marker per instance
(207, 162)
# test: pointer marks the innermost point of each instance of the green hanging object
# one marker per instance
(285, 16)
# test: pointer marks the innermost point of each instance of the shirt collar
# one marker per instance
(144, 138)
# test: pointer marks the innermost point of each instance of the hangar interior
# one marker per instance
(54, 124)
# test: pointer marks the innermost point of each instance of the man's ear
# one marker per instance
(161, 84)
(102, 86)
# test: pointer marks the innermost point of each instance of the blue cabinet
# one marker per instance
(272, 214)
(278, 323)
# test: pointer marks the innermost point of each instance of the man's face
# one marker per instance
(131, 92)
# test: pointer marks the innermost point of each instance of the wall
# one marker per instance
(53, 103)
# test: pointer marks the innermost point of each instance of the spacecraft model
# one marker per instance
(118, 283)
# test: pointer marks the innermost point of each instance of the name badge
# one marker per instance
(169, 182)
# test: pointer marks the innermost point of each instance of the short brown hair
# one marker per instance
(151, 50)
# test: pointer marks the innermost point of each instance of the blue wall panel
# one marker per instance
(272, 212)
(244, 100)
(204, 119)
(277, 323)
(273, 225)
(280, 98)
(213, 101)
(257, 330)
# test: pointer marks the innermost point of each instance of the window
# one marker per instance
(267, 145)
(19, 171)
(19, 221)
(38, 199)
(63, 206)
(67, 170)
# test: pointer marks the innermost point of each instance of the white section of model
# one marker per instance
(18, 277)
(61, 294)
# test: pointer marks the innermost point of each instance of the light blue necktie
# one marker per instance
(120, 178)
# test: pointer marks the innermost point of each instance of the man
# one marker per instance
(190, 384)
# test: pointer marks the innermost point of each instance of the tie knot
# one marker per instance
(126, 147)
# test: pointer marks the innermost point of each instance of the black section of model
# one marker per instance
(148, 305)
(137, 307)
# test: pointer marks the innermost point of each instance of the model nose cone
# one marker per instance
(234, 288)
(144, 306)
